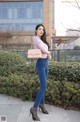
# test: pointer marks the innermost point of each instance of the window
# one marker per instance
(21, 13)
(3, 13)
(12, 13)
(20, 16)
(0, 13)
(38, 9)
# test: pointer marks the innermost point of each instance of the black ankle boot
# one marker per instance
(43, 109)
(33, 111)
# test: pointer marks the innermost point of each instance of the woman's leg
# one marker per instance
(42, 99)
(43, 85)
(46, 72)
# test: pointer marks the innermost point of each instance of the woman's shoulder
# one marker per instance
(36, 39)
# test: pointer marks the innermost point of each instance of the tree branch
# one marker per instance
(77, 5)
(73, 30)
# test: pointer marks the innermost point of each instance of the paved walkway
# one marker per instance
(16, 110)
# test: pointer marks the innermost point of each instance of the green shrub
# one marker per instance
(9, 62)
(65, 71)
(53, 95)
(71, 94)
(19, 86)
(65, 94)
(20, 79)
(10, 58)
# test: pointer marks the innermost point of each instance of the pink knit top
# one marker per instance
(39, 44)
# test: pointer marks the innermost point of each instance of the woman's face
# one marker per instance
(40, 31)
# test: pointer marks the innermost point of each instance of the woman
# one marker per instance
(42, 68)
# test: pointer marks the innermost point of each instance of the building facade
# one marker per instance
(19, 18)
(75, 32)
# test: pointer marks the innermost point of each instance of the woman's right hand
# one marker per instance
(49, 55)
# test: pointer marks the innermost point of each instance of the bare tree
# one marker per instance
(76, 4)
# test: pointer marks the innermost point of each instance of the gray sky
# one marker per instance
(66, 16)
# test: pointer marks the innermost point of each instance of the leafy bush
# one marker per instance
(65, 71)
(71, 94)
(18, 86)
(10, 58)
(20, 79)
(9, 62)
(65, 94)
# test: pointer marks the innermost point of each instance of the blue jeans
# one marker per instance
(42, 69)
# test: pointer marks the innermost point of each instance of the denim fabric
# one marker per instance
(42, 69)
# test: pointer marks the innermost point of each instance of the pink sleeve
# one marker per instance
(40, 45)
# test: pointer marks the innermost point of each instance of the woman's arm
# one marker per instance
(40, 45)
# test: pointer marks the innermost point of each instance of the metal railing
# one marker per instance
(66, 55)
(63, 55)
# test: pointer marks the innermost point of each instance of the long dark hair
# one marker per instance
(43, 37)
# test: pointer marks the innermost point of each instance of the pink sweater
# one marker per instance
(39, 44)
